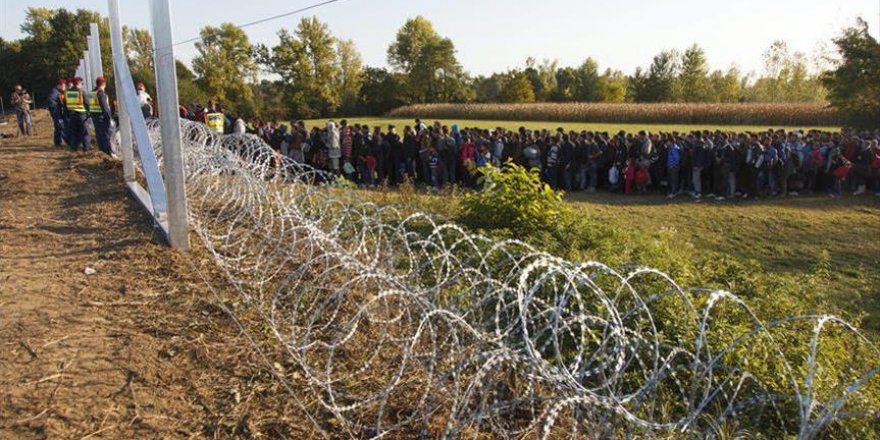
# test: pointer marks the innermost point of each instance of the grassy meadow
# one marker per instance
(789, 238)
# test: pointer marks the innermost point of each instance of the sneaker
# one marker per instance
(794, 194)
(711, 195)
(670, 196)
(720, 199)
(861, 190)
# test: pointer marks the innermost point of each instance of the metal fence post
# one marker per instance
(166, 85)
(95, 51)
(116, 45)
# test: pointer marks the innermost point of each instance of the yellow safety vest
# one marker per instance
(75, 101)
(215, 122)
(94, 105)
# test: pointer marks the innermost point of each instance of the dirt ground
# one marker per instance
(137, 350)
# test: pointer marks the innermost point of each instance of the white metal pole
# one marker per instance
(166, 91)
(87, 68)
(117, 46)
(95, 50)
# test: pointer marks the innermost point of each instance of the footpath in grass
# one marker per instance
(540, 125)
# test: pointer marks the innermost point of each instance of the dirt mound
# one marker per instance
(137, 349)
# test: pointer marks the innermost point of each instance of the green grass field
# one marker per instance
(786, 236)
(789, 237)
(536, 125)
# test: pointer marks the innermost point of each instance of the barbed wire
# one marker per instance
(401, 324)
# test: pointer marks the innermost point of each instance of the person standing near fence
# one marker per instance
(145, 101)
(56, 110)
(21, 102)
(77, 108)
(99, 109)
(214, 118)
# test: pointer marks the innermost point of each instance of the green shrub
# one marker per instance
(512, 198)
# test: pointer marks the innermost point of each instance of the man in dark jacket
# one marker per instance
(56, 109)
(699, 157)
(102, 115)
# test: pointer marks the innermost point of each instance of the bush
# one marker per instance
(512, 198)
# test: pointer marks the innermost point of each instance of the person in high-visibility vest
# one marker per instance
(214, 118)
(99, 107)
(78, 110)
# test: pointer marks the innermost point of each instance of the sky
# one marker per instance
(495, 35)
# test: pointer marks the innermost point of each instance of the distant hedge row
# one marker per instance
(809, 114)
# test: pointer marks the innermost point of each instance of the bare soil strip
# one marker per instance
(136, 350)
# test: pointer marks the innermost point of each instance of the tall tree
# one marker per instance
(660, 83)
(693, 81)
(587, 81)
(542, 77)
(786, 78)
(351, 74)
(38, 23)
(516, 87)
(307, 63)
(138, 49)
(53, 44)
(428, 62)
(226, 67)
(853, 85)
(612, 86)
(726, 86)
(380, 91)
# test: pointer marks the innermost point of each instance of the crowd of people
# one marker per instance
(719, 164)
(75, 109)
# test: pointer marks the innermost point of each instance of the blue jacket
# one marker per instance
(674, 158)
(56, 107)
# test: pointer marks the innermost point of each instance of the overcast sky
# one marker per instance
(493, 35)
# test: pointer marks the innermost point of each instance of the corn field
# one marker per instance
(770, 114)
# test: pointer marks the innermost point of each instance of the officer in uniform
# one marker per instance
(56, 109)
(99, 109)
(78, 111)
(214, 118)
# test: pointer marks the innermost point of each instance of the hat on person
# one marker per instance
(99, 81)
(61, 82)
(77, 80)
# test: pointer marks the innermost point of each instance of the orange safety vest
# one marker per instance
(215, 122)
(75, 101)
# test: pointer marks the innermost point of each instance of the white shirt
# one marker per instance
(143, 97)
(239, 127)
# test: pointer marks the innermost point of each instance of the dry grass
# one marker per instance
(811, 114)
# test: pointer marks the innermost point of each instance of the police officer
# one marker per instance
(214, 118)
(56, 109)
(78, 111)
(99, 109)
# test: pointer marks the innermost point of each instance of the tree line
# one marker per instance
(311, 73)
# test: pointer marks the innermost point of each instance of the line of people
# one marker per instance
(73, 107)
(719, 164)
